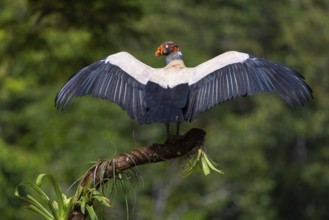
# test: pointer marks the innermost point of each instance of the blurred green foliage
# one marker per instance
(276, 159)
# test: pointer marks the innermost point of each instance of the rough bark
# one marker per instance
(178, 146)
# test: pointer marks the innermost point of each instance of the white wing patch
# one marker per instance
(132, 66)
(216, 63)
(173, 75)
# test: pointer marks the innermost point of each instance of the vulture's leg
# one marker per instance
(168, 129)
(177, 129)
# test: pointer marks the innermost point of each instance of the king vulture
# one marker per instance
(176, 93)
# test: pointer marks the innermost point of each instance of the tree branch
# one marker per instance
(101, 172)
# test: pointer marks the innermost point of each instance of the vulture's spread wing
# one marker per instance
(119, 78)
(235, 74)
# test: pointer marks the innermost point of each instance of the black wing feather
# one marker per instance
(107, 81)
(244, 79)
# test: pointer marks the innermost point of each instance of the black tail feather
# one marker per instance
(163, 114)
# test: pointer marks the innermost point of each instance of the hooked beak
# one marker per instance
(159, 51)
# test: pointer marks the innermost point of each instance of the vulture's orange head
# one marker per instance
(166, 48)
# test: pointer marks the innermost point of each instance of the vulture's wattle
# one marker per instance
(176, 93)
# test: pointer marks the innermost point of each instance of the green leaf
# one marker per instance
(204, 165)
(200, 158)
(57, 209)
(213, 166)
(91, 212)
(35, 206)
(56, 188)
